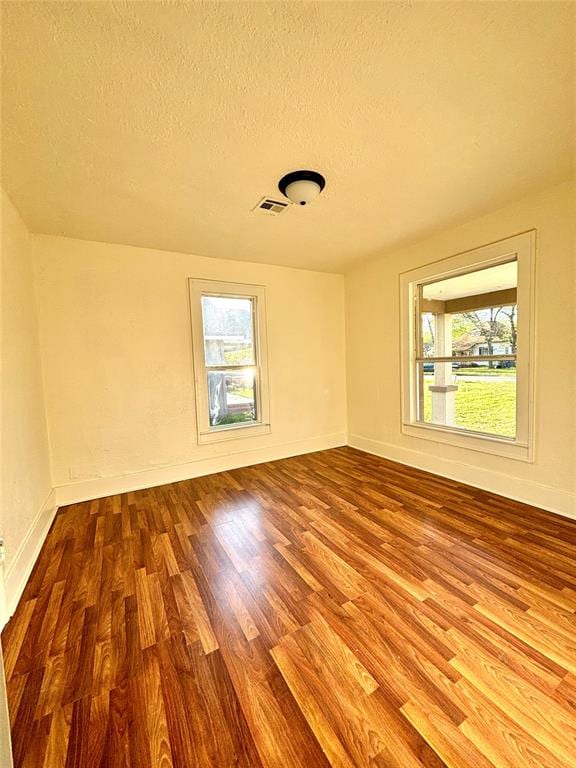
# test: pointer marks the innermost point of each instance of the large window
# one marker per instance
(467, 349)
(229, 335)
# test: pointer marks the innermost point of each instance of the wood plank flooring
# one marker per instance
(333, 609)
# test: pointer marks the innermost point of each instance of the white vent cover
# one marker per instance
(270, 206)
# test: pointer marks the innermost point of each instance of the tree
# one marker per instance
(485, 322)
(461, 326)
(511, 334)
(428, 339)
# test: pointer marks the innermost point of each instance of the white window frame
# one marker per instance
(522, 247)
(257, 293)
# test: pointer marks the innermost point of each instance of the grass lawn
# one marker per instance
(481, 405)
(236, 418)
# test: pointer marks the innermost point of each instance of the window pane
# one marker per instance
(228, 330)
(476, 396)
(231, 397)
(464, 315)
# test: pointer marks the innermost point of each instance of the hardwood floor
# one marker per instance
(333, 609)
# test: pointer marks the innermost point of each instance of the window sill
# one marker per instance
(233, 432)
(498, 446)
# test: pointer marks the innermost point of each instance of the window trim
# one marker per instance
(522, 247)
(257, 293)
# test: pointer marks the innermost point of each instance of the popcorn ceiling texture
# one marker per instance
(162, 124)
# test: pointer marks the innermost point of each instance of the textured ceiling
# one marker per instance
(162, 124)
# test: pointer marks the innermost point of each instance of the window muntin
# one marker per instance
(229, 334)
(477, 374)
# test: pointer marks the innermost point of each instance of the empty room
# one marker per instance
(288, 384)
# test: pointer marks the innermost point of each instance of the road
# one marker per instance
(463, 377)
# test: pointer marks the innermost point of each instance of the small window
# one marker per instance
(229, 337)
(467, 349)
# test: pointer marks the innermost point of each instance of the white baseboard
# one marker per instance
(96, 488)
(20, 568)
(544, 496)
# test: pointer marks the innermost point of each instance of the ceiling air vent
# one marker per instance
(270, 206)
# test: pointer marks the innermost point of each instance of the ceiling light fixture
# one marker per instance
(302, 186)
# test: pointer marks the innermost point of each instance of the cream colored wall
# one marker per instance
(25, 482)
(373, 354)
(117, 355)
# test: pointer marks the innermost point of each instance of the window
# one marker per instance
(466, 349)
(229, 339)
